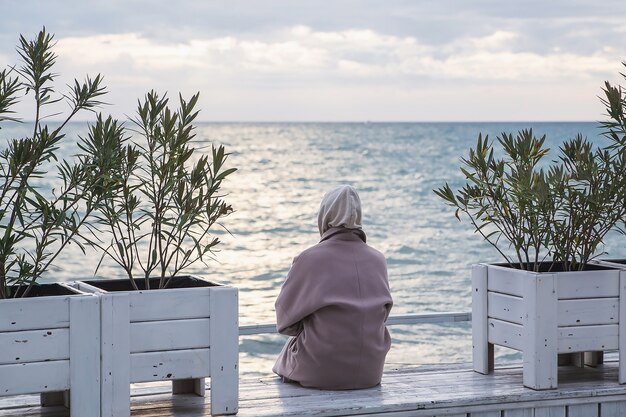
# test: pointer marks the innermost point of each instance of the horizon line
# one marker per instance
(338, 121)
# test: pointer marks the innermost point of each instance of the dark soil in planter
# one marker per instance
(557, 267)
(185, 281)
(45, 290)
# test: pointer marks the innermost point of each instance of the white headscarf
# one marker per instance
(340, 207)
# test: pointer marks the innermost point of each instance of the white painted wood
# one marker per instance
(558, 411)
(155, 336)
(505, 280)
(88, 288)
(522, 412)
(34, 345)
(588, 284)
(613, 263)
(170, 304)
(482, 350)
(622, 327)
(175, 364)
(583, 410)
(166, 335)
(540, 331)
(613, 409)
(583, 312)
(34, 377)
(115, 357)
(505, 307)
(85, 356)
(586, 338)
(507, 334)
(44, 357)
(587, 308)
(224, 350)
(34, 313)
(423, 391)
(68, 286)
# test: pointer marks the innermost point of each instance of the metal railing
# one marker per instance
(423, 318)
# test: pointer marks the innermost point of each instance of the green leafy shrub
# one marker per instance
(167, 197)
(37, 224)
(533, 212)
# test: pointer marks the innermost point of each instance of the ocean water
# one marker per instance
(284, 170)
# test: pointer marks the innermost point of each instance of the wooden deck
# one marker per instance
(444, 390)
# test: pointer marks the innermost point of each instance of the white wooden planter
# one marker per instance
(49, 345)
(178, 334)
(611, 263)
(544, 314)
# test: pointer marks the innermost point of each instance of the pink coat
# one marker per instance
(334, 303)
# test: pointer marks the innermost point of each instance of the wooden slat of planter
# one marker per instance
(183, 303)
(587, 338)
(614, 409)
(156, 336)
(579, 284)
(505, 307)
(174, 364)
(588, 311)
(486, 414)
(34, 346)
(224, 356)
(539, 332)
(85, 360)
(583, 410)
(34, 377)
(506, 334)
(570, 284)
(558, 411)
(505, 280)
(115, 360)
(522, 412)
(55, 313)
(622, 327)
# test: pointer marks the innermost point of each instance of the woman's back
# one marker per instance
(335, 302)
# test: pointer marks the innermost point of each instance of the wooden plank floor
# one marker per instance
(445, 390)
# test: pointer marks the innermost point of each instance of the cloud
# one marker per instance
(282, 56)
(352, 71)
(142, 52)
(300, 51)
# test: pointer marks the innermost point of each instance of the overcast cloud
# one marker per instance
(339, 60)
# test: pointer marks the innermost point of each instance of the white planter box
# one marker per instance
(178, 334)
(51, 344)
(544, 314)
(611, 263)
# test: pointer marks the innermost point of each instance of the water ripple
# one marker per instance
(284, 169)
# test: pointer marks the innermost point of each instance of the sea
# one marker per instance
(284, 169)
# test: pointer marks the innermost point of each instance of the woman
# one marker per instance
(334, 303)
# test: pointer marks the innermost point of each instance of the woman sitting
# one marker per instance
(334, 303)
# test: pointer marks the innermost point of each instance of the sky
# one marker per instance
(342, 60)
